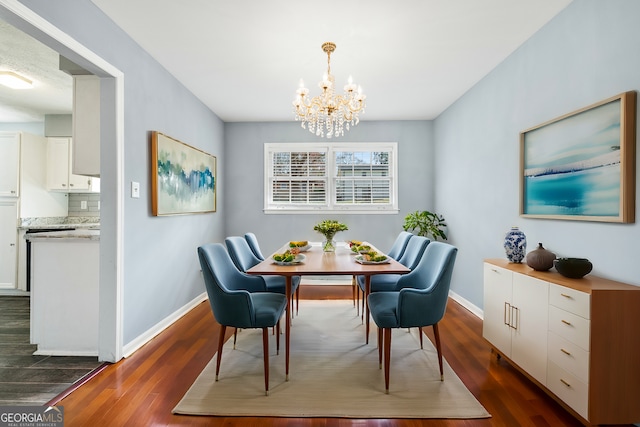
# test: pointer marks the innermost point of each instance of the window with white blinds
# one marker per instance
(311, 177)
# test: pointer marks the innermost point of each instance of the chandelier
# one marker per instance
(328, 113)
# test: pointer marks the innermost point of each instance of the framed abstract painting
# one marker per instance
(581, 166)
(183, 178)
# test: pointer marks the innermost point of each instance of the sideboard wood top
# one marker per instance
(588, 283)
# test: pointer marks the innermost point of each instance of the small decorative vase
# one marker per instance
(329, 245)
(515, 245)
(540, 259)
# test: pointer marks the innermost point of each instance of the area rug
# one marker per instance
(333, 373)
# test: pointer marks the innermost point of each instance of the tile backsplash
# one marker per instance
(92, 201)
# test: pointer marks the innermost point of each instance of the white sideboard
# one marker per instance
(579, 339)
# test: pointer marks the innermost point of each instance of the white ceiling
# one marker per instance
(245, 58)
(52, 88)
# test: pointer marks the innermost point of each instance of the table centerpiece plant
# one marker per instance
(329, 228)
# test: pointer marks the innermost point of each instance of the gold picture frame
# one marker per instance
(581, 166)
(183, 178)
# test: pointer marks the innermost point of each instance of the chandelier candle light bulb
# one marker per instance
(328, 114)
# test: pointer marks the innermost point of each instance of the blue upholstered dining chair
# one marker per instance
(396, 252)
(421, 300)
(252, 241)
(388, 282)
(239, 300)
(244, 258)
(399, 246)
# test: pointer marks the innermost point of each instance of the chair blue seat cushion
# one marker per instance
(384, 309)
(268, 308)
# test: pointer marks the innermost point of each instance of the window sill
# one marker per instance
(331, 211)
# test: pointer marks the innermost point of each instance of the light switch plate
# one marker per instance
(135, 190)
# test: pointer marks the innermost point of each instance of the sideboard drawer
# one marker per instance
(573, 301)
(568, 388)
(569, 326)
(569, 356)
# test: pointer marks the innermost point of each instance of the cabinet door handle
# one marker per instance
(565, 383)
(565, 352)
(70, 185)
(514, 319)
(566, 322)
(507, 321)
(64, 185)
(566, 296)
(12, 244)
(13, 191)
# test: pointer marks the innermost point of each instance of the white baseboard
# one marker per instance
(147, 336)
(467, 304)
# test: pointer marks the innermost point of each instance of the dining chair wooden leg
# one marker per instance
(421, 334)
(235, 338)
(436, 334)
(367, 291)
(223, 330)
(380, 348)
(278, 337)
(353, 290)
(265, 350)
(387, 358)
(297, 299)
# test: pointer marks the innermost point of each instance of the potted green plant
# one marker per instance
(425, 223)
(329, 228)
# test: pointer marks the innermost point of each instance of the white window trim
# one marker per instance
(330, 147)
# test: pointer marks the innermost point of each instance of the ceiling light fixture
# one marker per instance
(329, 111)
(14, 80)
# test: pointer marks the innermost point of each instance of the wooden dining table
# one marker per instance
(320, 263)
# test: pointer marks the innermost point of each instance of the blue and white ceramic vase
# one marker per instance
(515, 245)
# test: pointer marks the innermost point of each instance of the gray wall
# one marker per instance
(588, 53)
(161, 271)
(243, 181)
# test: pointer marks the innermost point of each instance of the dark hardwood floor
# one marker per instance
(142, 389)
(27, 379)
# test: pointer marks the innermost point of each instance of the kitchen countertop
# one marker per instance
(48, 223)
(65, 235)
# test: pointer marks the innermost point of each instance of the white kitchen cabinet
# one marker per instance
(515, 318)
(592, 338)
(59, 174)
(64, 292)
(35, 200)
(9, 161)
(8, 243)
(86, 125)
(23, 179)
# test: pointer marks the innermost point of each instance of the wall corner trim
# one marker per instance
(467, 304)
